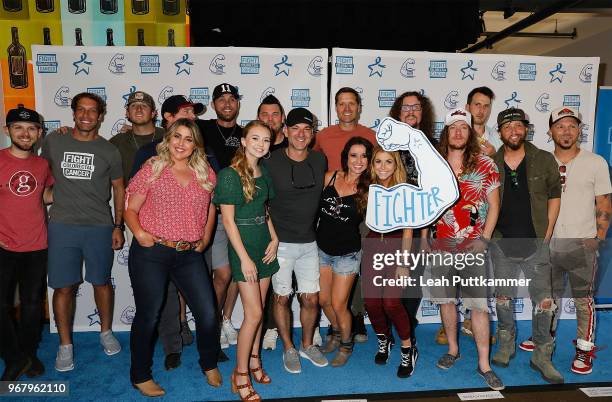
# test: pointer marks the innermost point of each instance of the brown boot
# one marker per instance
(149, 388)
(213, 377)
(344, 352)
(332, 343)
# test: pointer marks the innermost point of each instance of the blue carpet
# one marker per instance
(99, 377)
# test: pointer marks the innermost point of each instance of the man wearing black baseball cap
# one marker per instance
(25, 181)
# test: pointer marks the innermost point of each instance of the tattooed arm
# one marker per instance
(603, 210)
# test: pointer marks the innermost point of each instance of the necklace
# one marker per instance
(136, 142)
(229, 141)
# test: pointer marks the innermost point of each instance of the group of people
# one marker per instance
(215, 210)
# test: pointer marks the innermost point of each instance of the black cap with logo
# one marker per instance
(23, 114)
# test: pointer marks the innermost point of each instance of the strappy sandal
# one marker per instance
(252, 396)
(264, 378)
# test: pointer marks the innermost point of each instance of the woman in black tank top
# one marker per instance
(341, 210)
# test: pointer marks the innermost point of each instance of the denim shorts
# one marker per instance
(346, 264)
(301, 259)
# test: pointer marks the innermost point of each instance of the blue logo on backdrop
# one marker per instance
(149, 64)
(249, 64)
(429, 309)
(315, 66)
(386, 97)
(52, 125)
(184, 65)
(117, 126)
(571, 101)
(438, 127)
(513, 100)
(61, 97)
(300, 97)
(266, 92)
(82, 65)
(165, 93)
(541, 105)
(100, 91)
(94, 318)
(127, 95)
(376, 68)
(468, 71)
(517, 305)
(245, 122)
(450, 102)
(127, 315)
(116, 65)
(557, 74)
(570, 306)
(437, 69)
(216, 65)
(498, 72)
(530, 132)
(407, 68)
(584, 133)
(344, 65)
(586, 73)
(46, 63)
(123, 255)
(375, 125)
(283, 66)
(199, 94)
(527, 72)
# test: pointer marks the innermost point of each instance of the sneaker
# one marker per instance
(316, 339)
(186, 334)
(223, 340)
(583, 361)
(230, 332)
(64, 360)
(313, 354)
(527, 345)
(408, 358)
(492, 380)
(110, 344)
(466, 327)
(384, 349)
(441, 338)
(447, 361)
(360, 334)
(269, 339)
(291, 360)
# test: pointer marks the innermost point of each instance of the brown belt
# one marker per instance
(180, 245)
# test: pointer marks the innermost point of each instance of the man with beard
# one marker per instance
(271, 112)
(222, 135)
(81, 226)
(531, 191)
(25, 181)
(479, 102)
(459, 232)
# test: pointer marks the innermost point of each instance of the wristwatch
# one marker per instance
(120, 226)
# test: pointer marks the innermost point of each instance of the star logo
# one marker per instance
(376, 68)
(283, 66)
(557, 74)
(184, 65)
(513, 101)
(94, 318)
(82, 65)
(469, 70)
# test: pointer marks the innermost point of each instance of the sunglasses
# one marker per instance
(563, 174)
(312, 173)
(514, 179)
(415, 108)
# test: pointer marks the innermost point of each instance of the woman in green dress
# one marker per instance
(242, 191)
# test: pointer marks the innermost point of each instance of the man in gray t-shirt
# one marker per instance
(81, 226)
(297, 173)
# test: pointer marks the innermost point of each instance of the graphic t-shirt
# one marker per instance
(83, 171)
(223, 141)
(22, 214)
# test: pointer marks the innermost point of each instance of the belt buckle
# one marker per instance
(182, 246)
(259, 220)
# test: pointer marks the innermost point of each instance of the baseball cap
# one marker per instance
(23, 114)
(140, 96)
(225, 88)
(562, 112)
(299, 115)
(173, 104)
(511, 114)
(456, 115)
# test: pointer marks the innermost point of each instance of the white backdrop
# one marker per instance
(297, 77)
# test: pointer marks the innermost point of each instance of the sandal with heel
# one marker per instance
(264, 378)
(252, 396)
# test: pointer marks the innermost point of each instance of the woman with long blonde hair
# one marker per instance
(170, 212)
(243, 191)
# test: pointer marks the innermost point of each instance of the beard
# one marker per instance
(22, 147)
(226, 118)
(512, 146)
(459, 147)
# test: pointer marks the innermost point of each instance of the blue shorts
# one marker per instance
(70, 245)
(346, 264)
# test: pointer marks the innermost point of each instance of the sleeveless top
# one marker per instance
(338, 229)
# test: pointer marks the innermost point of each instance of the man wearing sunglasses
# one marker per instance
(530, 201)
(297, 173)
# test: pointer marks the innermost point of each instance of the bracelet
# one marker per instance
(120, 226)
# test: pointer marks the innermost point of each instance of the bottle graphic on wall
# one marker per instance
(141, 41)
(76, 6)
(12, 5)
(108, 6)
(109, 37)
(44, 6)
(78, 35)
(171, 38)
(171, 7)
(17, 61)
(140, 7)
(46, 36)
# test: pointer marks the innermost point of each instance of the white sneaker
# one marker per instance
(230, 332)
(316, 339)
(269, 339)
(64, 360)
(109, 343)
(223, 340)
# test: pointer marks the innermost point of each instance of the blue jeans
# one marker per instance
(150, 270)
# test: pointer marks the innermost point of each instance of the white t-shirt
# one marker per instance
(587, 176)
(493, 137)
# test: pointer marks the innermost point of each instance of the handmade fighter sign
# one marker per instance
(405, 205)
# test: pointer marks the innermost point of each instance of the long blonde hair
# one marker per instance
(241, 165)
(197, 160)
(398, 176)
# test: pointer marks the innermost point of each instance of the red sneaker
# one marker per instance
(527, 345)
(583, 361)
